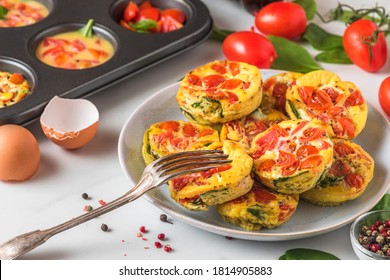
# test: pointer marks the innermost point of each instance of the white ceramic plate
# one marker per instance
(308, 220)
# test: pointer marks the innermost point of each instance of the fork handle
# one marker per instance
(26, 242)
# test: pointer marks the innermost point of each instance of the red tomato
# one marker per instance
(173, 13)
(148, 13)
(130, 12)
(384, 96)
(250, 47)
(284, 19)
(365, 46)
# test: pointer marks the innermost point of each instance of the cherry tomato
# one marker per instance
(130, 12)
(148, 13)
(250, 47)
(384, 96)
(284, 19)
(364, 45)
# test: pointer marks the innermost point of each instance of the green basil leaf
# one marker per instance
(283, 257)
(321, 39)
(292, 57)
(307, 254)
(310, 7)
(220, 34)
(3, 12)
(87, 29)
(337, 56)
(144, 25)
(383, 204)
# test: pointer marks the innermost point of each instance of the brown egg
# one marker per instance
(19, 153)
(70, 123)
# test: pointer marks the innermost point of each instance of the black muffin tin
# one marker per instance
(134, 51)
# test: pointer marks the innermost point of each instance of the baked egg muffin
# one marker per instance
(351, 171)
(274, 90)
(168, 137)
(260, 207)
(13, 88)
(322, 95)
(220, 91)
(291, 156)
(198, 191)
(245, 129)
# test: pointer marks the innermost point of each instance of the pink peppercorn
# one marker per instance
(167, 248)
(161, 236)
(142, 229)
(157, 244)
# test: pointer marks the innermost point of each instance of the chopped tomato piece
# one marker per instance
(311, 162)
(312, 133)
(16, 78)
(170, 126)
(263, 196)
(348, 126)
(189, 130)
(97, 53)
(288, 170)
(130, 11)
(212, 81)
(234, 68)
(194, 80)
(233, 98)
(215, 170)
(355, 99)
(285, 158)
(175, 14)
(219, 68)
(343, 149)
(354, 180)
(270, 82)
(231, 84)
(339, 168)
(307, 150)
(267, 165)
(150, 13)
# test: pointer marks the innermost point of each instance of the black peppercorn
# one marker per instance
(164, 218)
(84, 195)
(104, 227)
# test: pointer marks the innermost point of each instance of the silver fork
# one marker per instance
(155, 174)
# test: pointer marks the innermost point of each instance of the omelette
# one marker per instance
(198, 191)
(322, 95)
(169, 137)
(259, 208)
(291, 156)
(220, 91)
(13, 88)
(348, 177)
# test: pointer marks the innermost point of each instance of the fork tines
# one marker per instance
(182, 163)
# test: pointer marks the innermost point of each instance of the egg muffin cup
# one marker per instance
(259, 208)
(169, 137)
(322, 95)
(348, 177)
(198, 191)
(220, 91)
(291, 156)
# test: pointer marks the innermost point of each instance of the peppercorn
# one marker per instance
(164, 218)
(376, 238)
(84, 195)
(104, 227)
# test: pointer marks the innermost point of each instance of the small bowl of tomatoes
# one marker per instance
(151, 16)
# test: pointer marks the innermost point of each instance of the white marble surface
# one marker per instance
(53, 195)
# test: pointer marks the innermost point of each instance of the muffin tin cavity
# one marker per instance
(14, 66)
(133, 51)
(64, 46)
(119, 7)
(19, 13)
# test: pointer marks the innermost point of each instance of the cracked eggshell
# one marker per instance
(70, 123)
